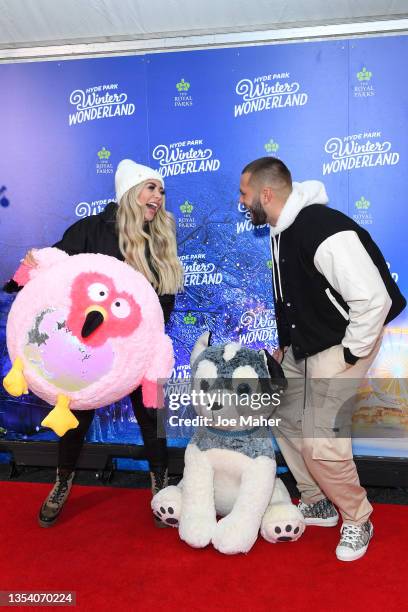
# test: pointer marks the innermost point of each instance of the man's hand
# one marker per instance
(279, 353)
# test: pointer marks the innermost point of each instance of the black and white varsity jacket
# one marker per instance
(331, 282)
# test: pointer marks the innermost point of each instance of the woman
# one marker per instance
(141, 232)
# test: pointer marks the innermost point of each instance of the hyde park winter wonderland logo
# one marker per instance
(257, 326)
(87, 209)
(245, 225)
(364, 150)
(99, 102)
(198, 271)
(185, 157)
(268, 92)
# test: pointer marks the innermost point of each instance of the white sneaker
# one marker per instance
(354, 541)
(320, 514)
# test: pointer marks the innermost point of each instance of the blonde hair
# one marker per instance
(161, 239)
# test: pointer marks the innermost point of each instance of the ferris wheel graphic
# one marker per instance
(389, 373)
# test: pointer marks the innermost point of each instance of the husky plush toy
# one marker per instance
(230, 468)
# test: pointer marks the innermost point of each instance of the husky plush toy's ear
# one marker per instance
(275, 370)
(202, 343)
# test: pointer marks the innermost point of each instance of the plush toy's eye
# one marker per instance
(243, 389)
(205, 375)
(204, 385)
(206, 370)
(245, 380)
(98, 292)
(120, 308)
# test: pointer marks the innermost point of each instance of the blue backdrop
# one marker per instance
(333, 111)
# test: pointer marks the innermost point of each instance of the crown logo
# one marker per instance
(104, 153)
(362, 203)
(271, 147)
(183, 85)
(186, 208)
(190, 319)
(364, 74)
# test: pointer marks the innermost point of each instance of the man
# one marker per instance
(333, 295)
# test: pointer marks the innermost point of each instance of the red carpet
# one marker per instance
(106, 548)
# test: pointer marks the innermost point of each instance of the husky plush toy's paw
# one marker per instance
(282, 523)
(166, 506)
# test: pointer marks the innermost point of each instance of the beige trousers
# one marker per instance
(314, 433)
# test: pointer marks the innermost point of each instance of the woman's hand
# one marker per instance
(29, 259)
(279, 353)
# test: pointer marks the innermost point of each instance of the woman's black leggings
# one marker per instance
(149, 420)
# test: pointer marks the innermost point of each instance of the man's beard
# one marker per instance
(258, 215)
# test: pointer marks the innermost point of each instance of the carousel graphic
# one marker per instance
(382, 400)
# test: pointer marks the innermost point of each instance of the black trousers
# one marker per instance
(150, 422)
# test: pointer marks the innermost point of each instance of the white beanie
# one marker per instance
(129, 173)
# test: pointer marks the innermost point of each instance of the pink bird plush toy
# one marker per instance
(84, 332)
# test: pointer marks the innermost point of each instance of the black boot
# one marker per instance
(56, 499)
(160, 480)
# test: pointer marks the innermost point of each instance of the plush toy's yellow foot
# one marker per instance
(60, 419)
(15, 383)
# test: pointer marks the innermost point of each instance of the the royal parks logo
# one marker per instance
(104, 154)
(257, 326)
(364, 88)
(86, 209)
(362, 215)
(103, 165)
(185, 157)
(187, 208)
(99, 102)
(269, 264)
(271, 147)
(186, 220)
(364, 150)
(182, 86)
(189, 319)
(364, 74)
(183, 98)
(362, 204)
(198, 271)
(268, 92)
(245, 225)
